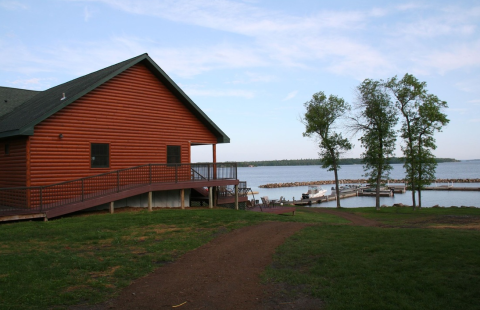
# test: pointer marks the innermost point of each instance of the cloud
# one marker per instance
(32, 83)
(372, 42)
(290, 95)
(13, 5)
(469, 86)
(87, 13)
(219, 93)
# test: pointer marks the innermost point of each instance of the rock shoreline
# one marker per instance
(358, 181)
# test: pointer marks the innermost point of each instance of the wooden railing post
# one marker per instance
(118, 181)
(41, 199)
(236, 197)
(150, 172)
(176, 173)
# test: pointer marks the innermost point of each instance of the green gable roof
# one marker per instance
(20, 118)
(10, 98)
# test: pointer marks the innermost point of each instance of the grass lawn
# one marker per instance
(352, 267)
(89, 259)
(425, 217)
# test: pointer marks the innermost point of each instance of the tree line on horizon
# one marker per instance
(379, 107)
(318, 161)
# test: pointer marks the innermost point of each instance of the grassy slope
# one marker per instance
(89, 259)
(372, 268)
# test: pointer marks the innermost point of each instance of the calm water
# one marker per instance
(461, 170)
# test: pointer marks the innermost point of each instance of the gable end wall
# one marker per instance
(134, 112)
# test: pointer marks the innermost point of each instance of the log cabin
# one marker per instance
(122, 135)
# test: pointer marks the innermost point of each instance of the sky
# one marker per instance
(251, 65)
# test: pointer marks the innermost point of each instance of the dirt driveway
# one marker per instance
(223, 274)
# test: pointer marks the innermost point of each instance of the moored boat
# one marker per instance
(314, 191)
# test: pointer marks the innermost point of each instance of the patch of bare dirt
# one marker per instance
(449, 221)
(355, 219)
(223, 274)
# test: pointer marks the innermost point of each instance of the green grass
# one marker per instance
(376, 268)
(399, 216)
(89, 259)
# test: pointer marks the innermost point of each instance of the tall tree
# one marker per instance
(431, 119)
(408, 92)
(422, 116)
(320, 119)
(376, 120)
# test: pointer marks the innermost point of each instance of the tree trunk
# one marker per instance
(413, 197)
(377, 196)
(337, 188)
(412, 182)
(419, 198)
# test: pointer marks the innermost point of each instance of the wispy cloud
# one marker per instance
(220, 93)
(87, 13)
(357, 43)
(290, 95)
(13, 5)
(32, 84)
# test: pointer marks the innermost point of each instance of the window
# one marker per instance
(7, 148)
(173, 154)
(100, 153)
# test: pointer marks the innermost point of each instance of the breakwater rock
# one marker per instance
(359, 181)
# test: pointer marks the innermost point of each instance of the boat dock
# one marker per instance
(351, 192)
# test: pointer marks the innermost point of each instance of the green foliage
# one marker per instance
(319, 120)
(376, 120)
(422, 117)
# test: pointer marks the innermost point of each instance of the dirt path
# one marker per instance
(355, 219)
(223, 274)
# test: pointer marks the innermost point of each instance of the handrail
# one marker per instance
(78, 190)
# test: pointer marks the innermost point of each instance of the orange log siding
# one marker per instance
(134, 112)
(13, 166)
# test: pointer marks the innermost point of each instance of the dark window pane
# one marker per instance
(100, 155)
(173, 154)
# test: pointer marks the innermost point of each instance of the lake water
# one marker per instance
(257, 176)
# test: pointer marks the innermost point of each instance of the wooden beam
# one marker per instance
(210, 197)
(111, 207)
(149, 201)
(21, 217)
(236, 197)
(182, 198)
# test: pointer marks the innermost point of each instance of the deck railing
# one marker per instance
(42, 198)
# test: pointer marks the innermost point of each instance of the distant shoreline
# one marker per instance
(358, 181)
(317, 162)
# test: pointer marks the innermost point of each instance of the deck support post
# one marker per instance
(210, 197)
(149, 201)
(111, 207)
(182, 198)
(236, 197)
